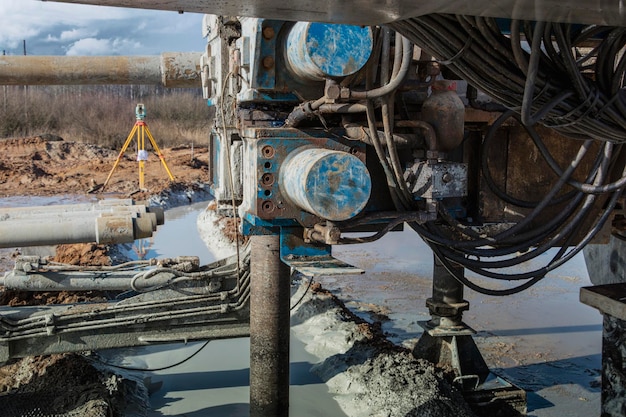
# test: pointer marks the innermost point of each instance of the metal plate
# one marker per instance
(374, 12)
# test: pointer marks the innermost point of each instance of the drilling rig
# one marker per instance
(493, 130)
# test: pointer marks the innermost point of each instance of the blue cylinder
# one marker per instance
(330, 184)
(316, 51)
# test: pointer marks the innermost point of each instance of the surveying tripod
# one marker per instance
(141, 130)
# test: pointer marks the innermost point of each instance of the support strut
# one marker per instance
(448, 341)
(269, 329)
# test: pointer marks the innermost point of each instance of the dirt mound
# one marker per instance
(369, 375)
(44, 165)
(83, 254)
(68, 385)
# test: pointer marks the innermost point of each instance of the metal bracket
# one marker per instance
(308, 259)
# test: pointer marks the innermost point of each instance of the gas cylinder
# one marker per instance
(445, 111)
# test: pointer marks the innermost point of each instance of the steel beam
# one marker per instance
(269, 329)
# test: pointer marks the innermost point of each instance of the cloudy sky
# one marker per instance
(68, 29)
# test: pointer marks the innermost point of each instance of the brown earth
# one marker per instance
(47, 165)
(43, 166)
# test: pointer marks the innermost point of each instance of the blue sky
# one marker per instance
(51, 28)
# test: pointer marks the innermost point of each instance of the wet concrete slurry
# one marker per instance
(543, 340)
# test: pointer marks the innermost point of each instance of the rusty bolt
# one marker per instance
(267, 179)
(268, 32)
(267, 206)
(268, 151)
(447, 177)
(268, 62)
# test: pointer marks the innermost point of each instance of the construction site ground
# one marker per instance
(543, 340)
(46, 166)
(43, 170)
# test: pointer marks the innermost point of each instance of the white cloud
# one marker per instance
(58, 28)
(72, 35)
(93, 46)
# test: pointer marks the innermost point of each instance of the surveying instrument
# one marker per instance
(141, 130)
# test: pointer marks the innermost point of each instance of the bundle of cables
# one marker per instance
(568, 76)
(549, 81)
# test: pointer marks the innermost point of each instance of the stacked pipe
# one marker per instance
(106, 222)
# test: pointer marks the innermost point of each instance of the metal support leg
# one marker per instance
(611, 301)
(269, 329)
(448, 341)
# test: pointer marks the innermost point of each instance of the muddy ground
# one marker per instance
(48, 166)
(39, 166)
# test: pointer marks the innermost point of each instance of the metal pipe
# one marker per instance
(87, 209)
(402, 140)
(269, 329)
(175, 70)
(67, 281)
(105, 230)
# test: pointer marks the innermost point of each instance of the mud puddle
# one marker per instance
(543, 339)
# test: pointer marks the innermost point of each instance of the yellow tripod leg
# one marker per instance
(119, 157)
(161, 157)
(142, 165)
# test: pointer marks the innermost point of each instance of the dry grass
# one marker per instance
(104, 115)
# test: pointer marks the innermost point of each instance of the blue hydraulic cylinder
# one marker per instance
(330, 184)
(316, 51)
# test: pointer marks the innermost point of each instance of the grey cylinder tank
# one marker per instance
(445, 111)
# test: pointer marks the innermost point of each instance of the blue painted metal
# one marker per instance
(307, 258)
(311, 259)
(316, 51)
(264, 52)
(331, 184)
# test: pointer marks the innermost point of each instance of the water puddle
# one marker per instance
(543, 339)
(177, 237)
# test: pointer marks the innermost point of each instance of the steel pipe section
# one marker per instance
(106, 222)
(72, 281)
(72, 229)
(175, 70)
(316, 51)
(270, 292)
(374, 12)
(102, 208)
(330, 184)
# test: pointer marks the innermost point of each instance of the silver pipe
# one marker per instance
(173, 69)
(105, 230)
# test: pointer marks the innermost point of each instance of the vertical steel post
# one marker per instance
(269, 329)
(446, 339)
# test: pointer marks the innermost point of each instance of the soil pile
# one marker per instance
(369, 375)
(67, 386)
(47, 165)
